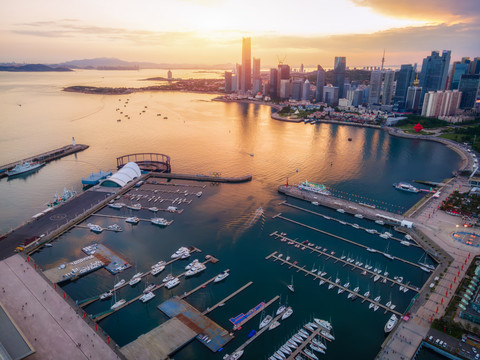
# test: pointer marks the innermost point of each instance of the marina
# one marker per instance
(242, 319)
(316, 276)
(345, 262)
(308, 340)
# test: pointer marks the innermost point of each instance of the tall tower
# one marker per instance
(434, 72)
(339, 74)
(246, 78)
(383, 59)
(256, 68)
(375, 87)
(320, 84)
(388, 87)
(405, 78)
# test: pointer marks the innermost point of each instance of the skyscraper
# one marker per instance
(406, 75)
(388, 87)
(339, 74)
(256, 68)
(306, 94)
(330, 95)
(375, 87)
(273, 82)
(320, 84)
(297, 89)
(459, 68)
(228, 82)
(246, 78)
(469, 87)
(283, 73)
(412, 101)
(434, 72)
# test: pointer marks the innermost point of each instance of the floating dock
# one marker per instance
(242, 319)
(223, 301)
(201, 177)
(115, 264)
(45, 157)
(75, 269)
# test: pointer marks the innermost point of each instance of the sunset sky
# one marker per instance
(210, 31)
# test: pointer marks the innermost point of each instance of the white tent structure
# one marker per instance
(123, 176)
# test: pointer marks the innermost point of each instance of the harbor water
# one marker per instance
(205, 137)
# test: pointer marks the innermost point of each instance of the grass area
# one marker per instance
(464, 134)
(427, 123)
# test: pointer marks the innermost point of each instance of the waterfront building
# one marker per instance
(256, 69)
(434, 72)
(246, 76)
(306, 93)
(228, 82)
(412, 102)
(273, 82)
(330, 95)
(441, 103)
(357, 97)
(375, 87)
(297, 89)
(284, 87)
(169, 74)
(405, 78)
(459, 68)
(469, 87)
(320, 84)
(339, 73)
(388, 87)
(283, 73)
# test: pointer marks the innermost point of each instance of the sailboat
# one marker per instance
(117, 303)
(386, 254)
(265, 320)
(290, 286)
(425, 267)
(281, 307)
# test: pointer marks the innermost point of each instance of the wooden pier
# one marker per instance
(343, 239)
(46, 156)
(345, 262)
(199, 287)
(307, 341)
(123, 217)
(223, 301)
(200, 177)
(340, 221)
(255, 313)
(316, 276)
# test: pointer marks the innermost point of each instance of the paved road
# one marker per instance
(59, 216)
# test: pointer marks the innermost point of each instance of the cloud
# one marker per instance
(446, 10)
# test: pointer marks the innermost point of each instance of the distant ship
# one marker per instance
(25, 167)
(316, 188)
(406, 187)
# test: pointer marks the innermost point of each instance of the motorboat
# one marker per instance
(135, 206)
(360, 216)
(341, 211)
(118, 304)
(377, 299)
(118, 284)
(135, 280)
(195, 269)
(96, 228)
(114, 227)
(391, 323)
(106, 295)
(405, 243)
(132, 220)
(221, 276)
(159, 221)
(236, 355)
(147, 296)
(170, 284)
(180, 252)
(376, 278)
(157, 269)
(168, 278)
(149, 288)
(192, 264)
(371, 250)
(116, 205)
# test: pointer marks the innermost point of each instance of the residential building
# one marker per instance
(441, 103)
(469, 88)
(434, 72)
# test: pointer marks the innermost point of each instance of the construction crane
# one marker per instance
(281, 60)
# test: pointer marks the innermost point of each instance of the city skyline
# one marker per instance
(206, 32)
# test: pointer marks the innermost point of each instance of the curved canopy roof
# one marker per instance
(123, 176)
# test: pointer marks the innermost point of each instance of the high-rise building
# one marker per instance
(283, 73)
(339, 74)
(246, 78)
(273, 82)
(297, 89)
(285, 90)
(434, 72)
(459, 68)
(388, 87)
(357, 97)
(441, 103)
(405, 78)
(320, 84)
(469, 88)
(169, 74)
(256, 68)
(306, 93)
(375, 87)
(228, 82)
(475, 66)
(412, 102)
(257, 86)
(330, 95)
(239, 74)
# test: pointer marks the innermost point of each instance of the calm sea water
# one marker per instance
(203, 137)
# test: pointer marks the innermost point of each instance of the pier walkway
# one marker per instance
(306, 342)
(345, 262)
(238, 326)
(223, 301)
(46, 156)
(201, 177)
(343, 222)
(316, 276)
(199, 287)
(344, 239)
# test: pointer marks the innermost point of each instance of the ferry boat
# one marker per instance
(159, 221)
(406, 187)
(316, 188)
(221, 276)
(118, 304)
(147, 296)
(25, 167)
(170, 284)
(390, 323)
(132, 220)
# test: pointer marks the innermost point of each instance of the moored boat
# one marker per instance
(25, 167)
(390, 323)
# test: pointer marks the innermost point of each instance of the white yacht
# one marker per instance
(118, 304)
(273, 325)
(236, 355)
(221, 276)
(180, 252)
(323, 323)
(195, 269)
(149, 288)
(116, 205)
(287, 313)
(265, 321)
(132, 220)
(153, 208)
(118, 284)
(327, 335)
(159, 221)
(192, 264)
(317, 348)
(135, 206)
(95, 228)
(406, 187)
(310, 353)
(170, 284)
(168, 278)
(157, 269)
(147, 296)
(281, 309)
(106, 295)
(390, 323)
(135, 280)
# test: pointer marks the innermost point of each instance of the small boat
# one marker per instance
(157, 269)
(153, 208)
(118, 304)
(135, 206)
(405, 243)
(170, 284)
(281, 309)
(327, 335)
(360, 216)
(273, 325)
(147, 296)
(132, 220)
(116, 205)
(149, 288)
(341, 211)
(375, 308)
(287, 313)
(367, 294)
(118, 284)
(159, 221)
(236, 355)
(106, 295)
(221, 276)
(290, 286)
(199, 194)
(376, 278)
(379, 222)
(317, 349)
(323, 323)
(135, 280)
(96, 228)
(377, 299)
(371, 250)
(315, 203)
(48, 245)
(390, 323)
(265, 321)
(320, 344)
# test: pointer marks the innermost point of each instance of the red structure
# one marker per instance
(418, 127)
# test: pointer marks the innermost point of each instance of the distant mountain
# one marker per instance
(33, 68)
(117, 64)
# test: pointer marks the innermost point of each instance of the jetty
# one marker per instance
(306, 342)
(316, 276)
(223, 301)
(252, 313)
(45, 157)
(201, 177)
